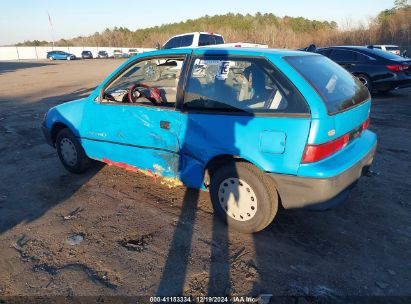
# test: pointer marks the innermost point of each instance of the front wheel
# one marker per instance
(243, 196)
(71, 153)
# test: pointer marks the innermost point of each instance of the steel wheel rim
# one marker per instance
(238, 199)
(149, 70)
(68, 151)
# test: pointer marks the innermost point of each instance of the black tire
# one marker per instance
(245, 175)
(66, 140)
(365, 80)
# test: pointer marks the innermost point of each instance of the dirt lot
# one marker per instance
(143, 238)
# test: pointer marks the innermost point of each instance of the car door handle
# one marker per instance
(165, 124)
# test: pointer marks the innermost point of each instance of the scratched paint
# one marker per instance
(156, 174)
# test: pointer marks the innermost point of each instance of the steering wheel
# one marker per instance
(154, 97)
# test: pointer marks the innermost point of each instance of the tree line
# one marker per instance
(391, 26)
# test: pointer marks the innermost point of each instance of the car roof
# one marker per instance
(347, 47)
(361, 49)
(193, 33)
(389, 45)
(231, 51)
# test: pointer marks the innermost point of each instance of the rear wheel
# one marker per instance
(365, 80)
(71, 153)
(243, 196)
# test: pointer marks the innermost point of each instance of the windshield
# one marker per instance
(337, 87)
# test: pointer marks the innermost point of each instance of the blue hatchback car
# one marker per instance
(60, 55)
(255, 127)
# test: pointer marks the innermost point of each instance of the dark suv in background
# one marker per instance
(102, 54)
(86, 55)
(380, 71)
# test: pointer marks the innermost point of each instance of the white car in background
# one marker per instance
(194, 39)
(132, 52)
(188, 40)
(198, 39)
(395, 49)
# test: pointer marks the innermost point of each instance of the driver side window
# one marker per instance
(148, 82)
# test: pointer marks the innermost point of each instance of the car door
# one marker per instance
(242, 107)
(139, 135)
(346, 58)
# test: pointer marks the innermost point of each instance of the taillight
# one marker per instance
(397, 67)
(314, 153)
(365, 124)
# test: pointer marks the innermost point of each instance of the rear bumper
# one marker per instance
(385, 85)
(299, 192)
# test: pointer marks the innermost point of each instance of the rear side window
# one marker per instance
(337, 87)
(186, 40)
(218, 83)
(209, 40)
(343, 55)
(325, 52)
(219, 40)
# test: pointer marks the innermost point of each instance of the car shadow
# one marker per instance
(174, 274)
(26, 195)
(12, 66)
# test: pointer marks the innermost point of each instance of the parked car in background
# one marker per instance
(119, 54)
(102, 54)
(395, 49)
(256, 127)
(378, 70)
(193, 40)
(200, 39)
(86, 55)
(132, 52)
(60, 55)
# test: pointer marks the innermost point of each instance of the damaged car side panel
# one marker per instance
(132, 135)
(252, 126)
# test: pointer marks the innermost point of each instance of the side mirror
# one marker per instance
(158, 46)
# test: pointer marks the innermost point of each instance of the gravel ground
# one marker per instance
(114, 232)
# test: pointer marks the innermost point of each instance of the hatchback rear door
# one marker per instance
(347, 102)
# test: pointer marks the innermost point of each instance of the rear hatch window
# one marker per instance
(338, 89)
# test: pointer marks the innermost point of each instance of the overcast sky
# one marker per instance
(28, 20)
